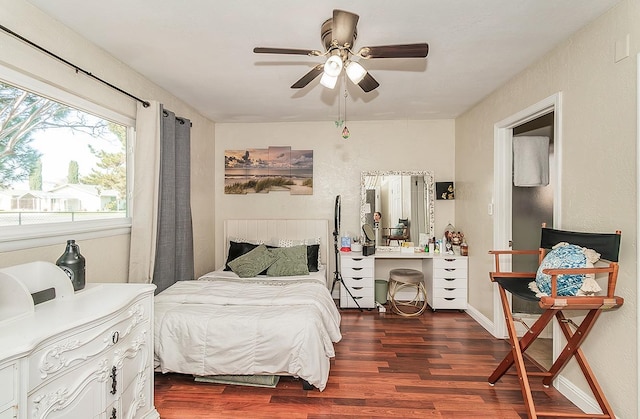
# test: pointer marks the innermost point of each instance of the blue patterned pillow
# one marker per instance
(563, 256)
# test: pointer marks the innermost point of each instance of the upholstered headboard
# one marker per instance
(268, 230)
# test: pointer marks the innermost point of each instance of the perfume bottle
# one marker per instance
(464, 249)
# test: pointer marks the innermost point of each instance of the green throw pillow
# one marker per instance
(252, 263)
(289, 261)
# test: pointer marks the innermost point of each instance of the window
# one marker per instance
(63, 164)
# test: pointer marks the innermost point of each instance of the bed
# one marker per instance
(227, 323)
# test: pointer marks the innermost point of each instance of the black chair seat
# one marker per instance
(518, 286)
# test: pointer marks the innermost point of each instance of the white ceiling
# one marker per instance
(201, 51)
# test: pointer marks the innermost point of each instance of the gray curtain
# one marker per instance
(174, 245)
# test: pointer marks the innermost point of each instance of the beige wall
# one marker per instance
(108, 258)
(337, 163)
(599, 122)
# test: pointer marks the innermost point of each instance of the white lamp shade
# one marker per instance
(333, 66)
(355, 71)
(328, 81)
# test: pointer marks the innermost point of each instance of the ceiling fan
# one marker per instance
(338, 35)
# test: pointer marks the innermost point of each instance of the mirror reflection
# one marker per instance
(398, 205)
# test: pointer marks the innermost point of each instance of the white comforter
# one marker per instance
(229, 326)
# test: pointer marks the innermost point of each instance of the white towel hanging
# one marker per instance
(530, 161)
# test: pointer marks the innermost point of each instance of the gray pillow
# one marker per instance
(252, 263)
(289, 261)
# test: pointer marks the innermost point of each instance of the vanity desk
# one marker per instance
(401, 199)
(445, 276)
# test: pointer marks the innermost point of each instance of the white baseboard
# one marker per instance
(582, 400)
(482, 320)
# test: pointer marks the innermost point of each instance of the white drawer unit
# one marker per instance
(447, 288)
(357, 274)
(8, 390)
(87, 354)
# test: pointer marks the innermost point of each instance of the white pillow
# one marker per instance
(243, 240)
(295, 242)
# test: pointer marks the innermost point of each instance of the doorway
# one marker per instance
(531, 206)
(544, 116)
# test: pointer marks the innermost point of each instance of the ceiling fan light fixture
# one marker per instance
(355, 71)
(333, 66)
(328, 81)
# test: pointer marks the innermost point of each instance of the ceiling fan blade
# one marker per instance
(344, 27)
(310, 52)
(368, 83)
(395, 51)
(307, 78)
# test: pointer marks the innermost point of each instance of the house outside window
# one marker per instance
(63, 165)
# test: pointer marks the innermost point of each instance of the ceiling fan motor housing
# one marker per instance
(326, 32)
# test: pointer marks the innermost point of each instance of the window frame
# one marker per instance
(38, 235)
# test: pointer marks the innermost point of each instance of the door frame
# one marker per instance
(638, 211)
(502, 183)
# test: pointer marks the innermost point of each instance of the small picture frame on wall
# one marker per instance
(445, 190)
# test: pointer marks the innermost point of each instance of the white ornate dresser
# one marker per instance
(85, 355)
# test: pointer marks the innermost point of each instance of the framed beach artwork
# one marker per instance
(264, 170)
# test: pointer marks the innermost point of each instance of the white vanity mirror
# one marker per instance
(403, 198)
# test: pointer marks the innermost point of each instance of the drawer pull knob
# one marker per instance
(449, 289)
(357, 288)
(357, 278)
(449, 298)
(357, 298)
(357, 269)
(115, 337)
(358, 259)
(449, 279)
(450, 260)
(449, 269)
(114, 383)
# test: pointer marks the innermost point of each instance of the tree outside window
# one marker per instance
(58, 163)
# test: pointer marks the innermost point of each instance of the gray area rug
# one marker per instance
(269, 381)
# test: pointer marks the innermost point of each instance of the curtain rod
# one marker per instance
(78, 69)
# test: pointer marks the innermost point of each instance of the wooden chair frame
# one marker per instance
(553, 306)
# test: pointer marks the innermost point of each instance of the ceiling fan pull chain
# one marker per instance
(339, 120)
(345, 131)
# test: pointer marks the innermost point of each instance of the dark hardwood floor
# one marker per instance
(386, 366)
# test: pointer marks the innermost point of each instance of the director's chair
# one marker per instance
(608, 245)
